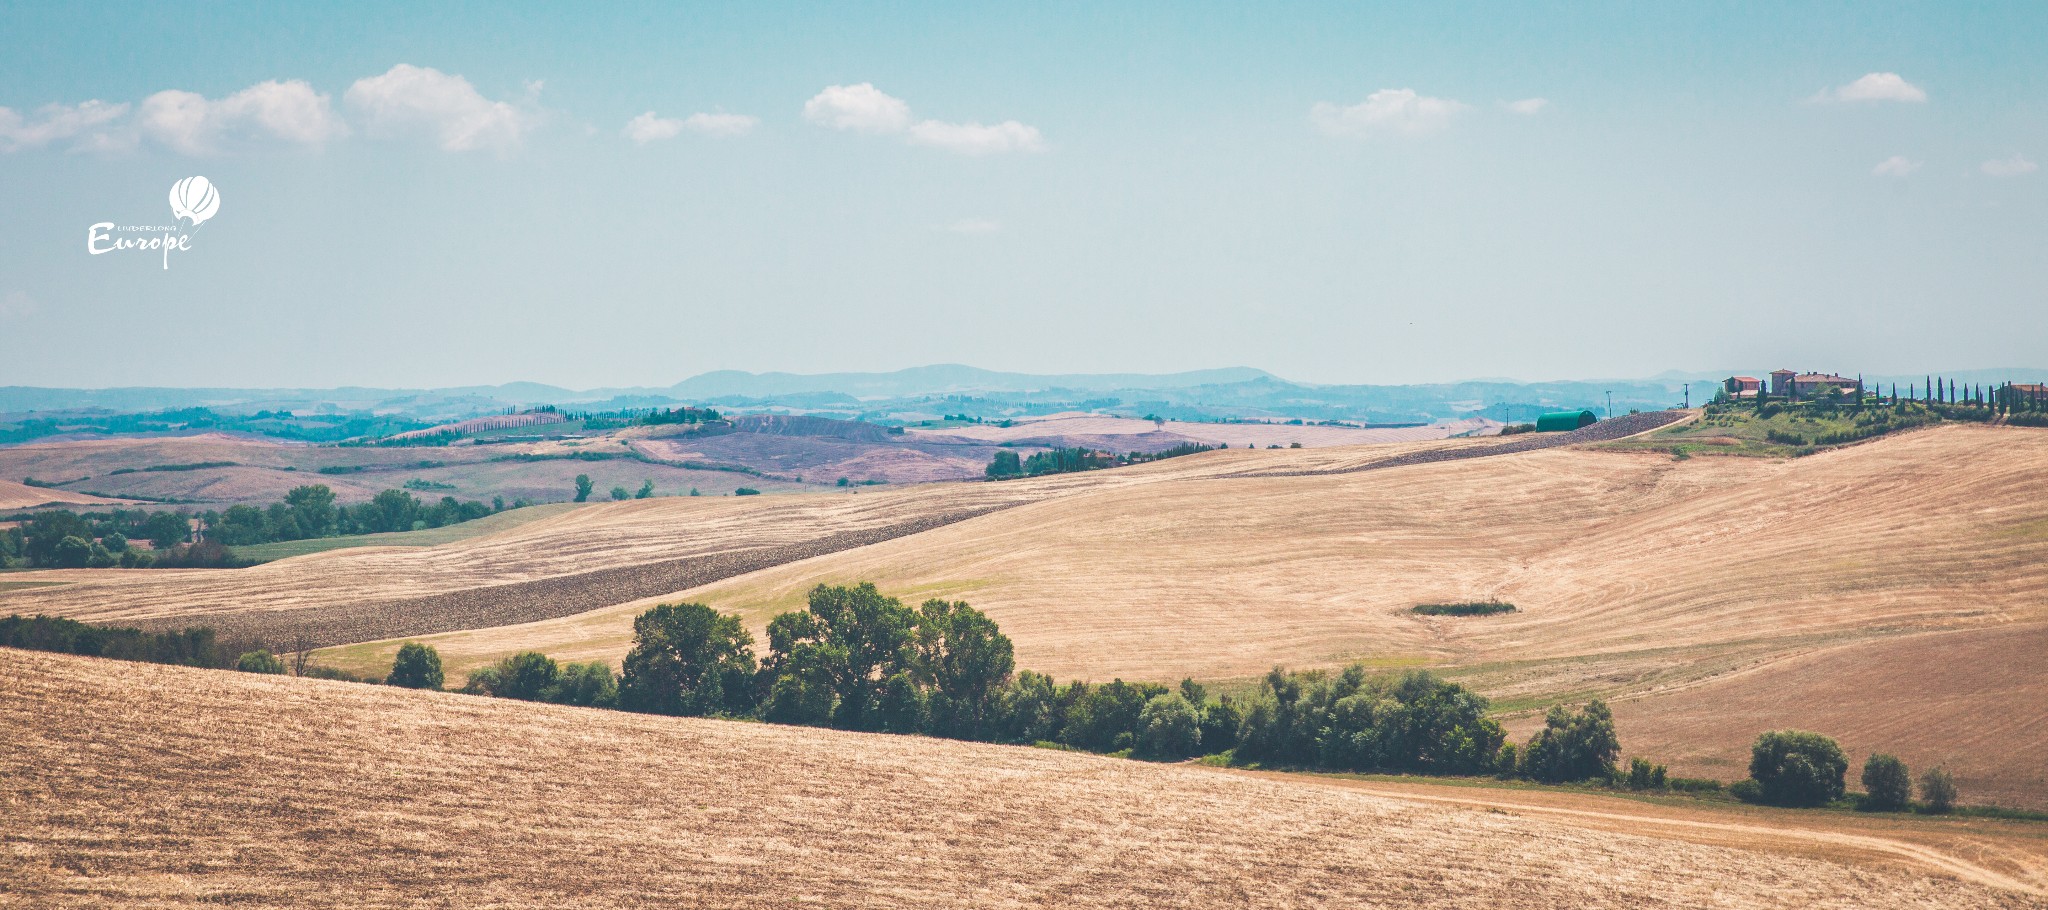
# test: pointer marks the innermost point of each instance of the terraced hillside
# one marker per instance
(186, 788)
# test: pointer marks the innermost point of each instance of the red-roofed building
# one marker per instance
(1742, 386)
(1792, 384)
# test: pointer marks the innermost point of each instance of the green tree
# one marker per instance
(1005, 464)
(417, 666)
(1938, 790)
(45, 531)
(1169, 727)
(583, 487)
(259, 661)
(850, 640)
(589, 684)
(903, 707)
(312, 506)
(1885, 779)
(1796, 768)
(1573, 746)
(966, 660)
(646, 490)
(391, 510)
(688, 659)
(526, 675)
(239, 525)
(71, 553)
(619, 494)
(167, 529)
(1029, 709)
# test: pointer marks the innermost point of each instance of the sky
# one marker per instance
(629, 194)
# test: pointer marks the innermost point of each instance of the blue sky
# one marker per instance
(1337, 193)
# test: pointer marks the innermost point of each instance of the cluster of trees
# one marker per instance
(1007, 464)
(855, 659)
(196, 647)
(310, 511)
(1800, 769)
(61, 539)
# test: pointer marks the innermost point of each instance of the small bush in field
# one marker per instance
(417, 666)
(259, 661)
(1938, 790)
(1886, 782)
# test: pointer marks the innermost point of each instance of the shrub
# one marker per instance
(1169, 727)
(1694, 785)
(417, 666)
(1470, 608)
(259, 661)
(1796, 768)
(1644, 776)
(1573, 746)
(1938, 790)
(1886, 782)
(526, 675)
(746, 491)
(482, 681)
(1747, 790)
(589, 685)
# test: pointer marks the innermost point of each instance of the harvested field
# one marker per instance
(22, 496)
(1603, 431)
(168, 795)
(1971, 700)
(540, 599)
(1121, 434)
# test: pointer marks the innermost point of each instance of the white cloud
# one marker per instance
(976, 139)
(1895, 166)
(190, 123)
(1390, 110)
(867, 109)
(1874, 87)
(57, 123)
(721, 125)
(411, 100)
(2015, 166)
(975, 226)
(1527, 107)
(17, 303)
(648, 128)
(858, 107)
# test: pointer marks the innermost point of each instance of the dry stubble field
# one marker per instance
(1667, 585)
(129, 785)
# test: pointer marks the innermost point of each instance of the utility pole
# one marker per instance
(1610, 404)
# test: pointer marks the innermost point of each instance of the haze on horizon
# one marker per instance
(630, 196)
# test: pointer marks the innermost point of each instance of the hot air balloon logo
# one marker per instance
(194, 198)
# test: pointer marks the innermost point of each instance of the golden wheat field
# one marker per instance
(139, 785)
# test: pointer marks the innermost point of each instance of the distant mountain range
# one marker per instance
(927, 392)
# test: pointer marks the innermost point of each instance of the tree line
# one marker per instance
(1007, 464)
(855, 659)
(67, 540)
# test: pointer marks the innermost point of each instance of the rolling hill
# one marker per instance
(186, 788)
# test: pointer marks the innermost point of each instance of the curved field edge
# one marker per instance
(368, 797)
